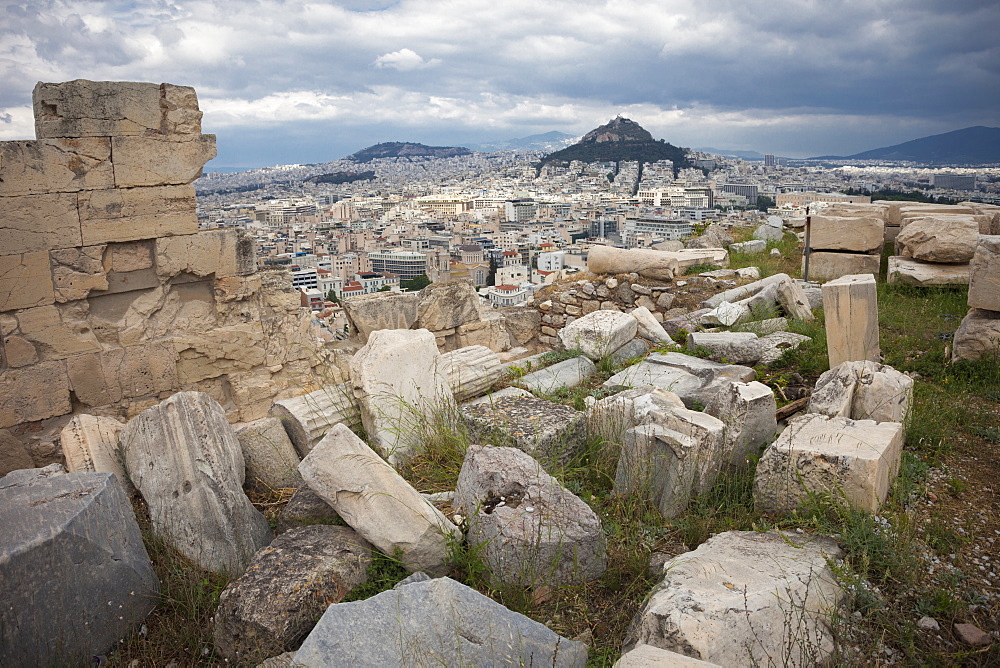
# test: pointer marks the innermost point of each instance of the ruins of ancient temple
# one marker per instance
(111, 298)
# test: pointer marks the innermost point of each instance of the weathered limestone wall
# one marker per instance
(110, 297)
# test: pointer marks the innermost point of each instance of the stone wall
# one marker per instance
(110, 297)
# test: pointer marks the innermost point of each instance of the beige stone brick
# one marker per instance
(851, 309)
(77, 271)
(31, 223)
(114, 374)
(907, 271)
(19, 351)
(125, 319)
(29, 167)
(57, 332)
(223, 253)
(130, 214)
(84, 108)
(148, 161)
(133, 256)
(984, 286)
(25, 281)
(218, 352)
(825, 266)
(33, 393)
(846, 234)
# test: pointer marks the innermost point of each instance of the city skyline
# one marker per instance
(297, 82)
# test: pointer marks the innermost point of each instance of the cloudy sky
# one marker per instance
(284, 81)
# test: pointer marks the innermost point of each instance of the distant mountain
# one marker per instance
(745, 155)
(396, 149)
(620, 140)
(342, 177)
(978, 145)
(548, 141)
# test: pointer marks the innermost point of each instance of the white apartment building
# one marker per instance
(305, 278)
(506, 295)
(551, 261)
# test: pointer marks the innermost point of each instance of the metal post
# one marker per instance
(807, 251)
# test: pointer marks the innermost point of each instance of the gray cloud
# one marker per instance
(798, 76)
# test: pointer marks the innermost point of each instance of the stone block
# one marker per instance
(377, 502)
(532, 531)
(90, 445)
(854, 234)
(77, 271)
(130, 214)
(984, 279)
(402, 388)
(568, 373)
(732, 347)
(659, 265)
(907, 271)
(490, 332)
(29, 167)
(113, 374)
(14, 456)
(748, 412)
(978, 336)
(16, 351)
(84, 108)
(545, 430)
(749, 247)
(381, 310)
(124, 258)
(522, 323)
(218, 352)
(471, 371)
(56, 332)
(286, 588)
(609, 418)
(446, 305)
(306, 508)
(774, 345)
(307, 417)
(850, 305)
(499, 394)
(946, 240)
(863, 390)
(269, 454)
(33, 393)
(74, 537)
(768, 233)
(674, 455)
(600, 333)
(825, 266)
(744, 598)
(692, 257)
(184, 459)
(648, 656)
(32, 223)
(649, 328)
(25, 281)
(666, 378)
(469, 629)
(160, 161)
(221, 253)
(858, 459)
(659, 462)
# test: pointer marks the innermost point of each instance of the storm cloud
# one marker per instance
(297, 81)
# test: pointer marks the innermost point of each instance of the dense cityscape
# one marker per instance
(511, 223)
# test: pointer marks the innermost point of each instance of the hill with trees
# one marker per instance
(399, 149)
(621, 140)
